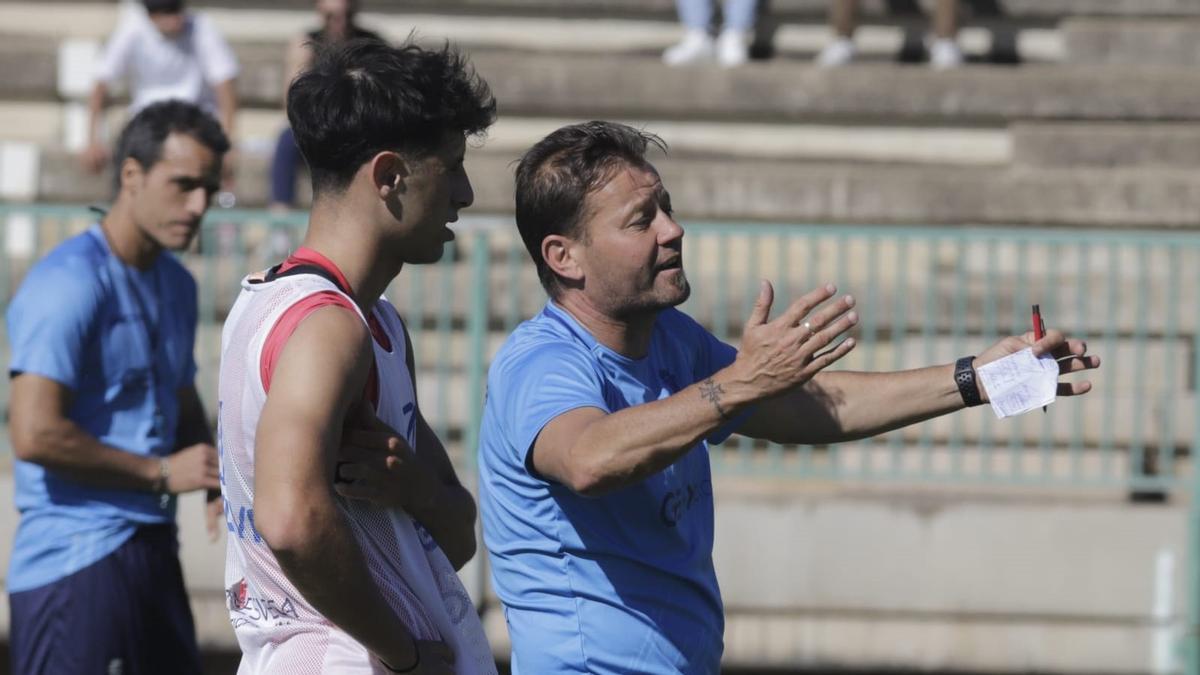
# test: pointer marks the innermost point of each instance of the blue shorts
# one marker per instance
(125, 614)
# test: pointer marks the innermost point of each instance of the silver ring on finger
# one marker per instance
(807, 326)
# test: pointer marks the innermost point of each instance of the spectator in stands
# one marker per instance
(337, 25)
(944, 52)
(164, 53)
(731, 46)
(106, 424)
(595, 485)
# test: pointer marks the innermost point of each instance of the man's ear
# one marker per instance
(560, 252)
(388, 172)
(132, 174)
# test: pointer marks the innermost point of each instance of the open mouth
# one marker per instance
(675, 264)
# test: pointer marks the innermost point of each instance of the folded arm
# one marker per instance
(319, 374)
(379, 466)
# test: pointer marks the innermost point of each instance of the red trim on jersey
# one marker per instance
(307, 256)
(291, 318)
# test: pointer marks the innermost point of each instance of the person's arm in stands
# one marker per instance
(318, 376)
(114, 62)
(95, 154)
(227, 105)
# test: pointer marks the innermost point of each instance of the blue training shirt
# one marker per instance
(623, 583)
(121, 340)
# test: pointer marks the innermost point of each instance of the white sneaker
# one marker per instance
(945, 54)
(697, 45)
(733, 48)
(837, 53)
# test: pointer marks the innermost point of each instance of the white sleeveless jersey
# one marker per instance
(277, 630)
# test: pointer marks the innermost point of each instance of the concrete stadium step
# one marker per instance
(781, 91)
(1095, 145)
(665, 9)
(897, 584)
(1136, 42)
(44, 123)
(975, 556)
(813, 573)
(616, 85)
(774, 190)
(536, 33)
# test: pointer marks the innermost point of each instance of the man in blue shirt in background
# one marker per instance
(595, 485)
(106, 423)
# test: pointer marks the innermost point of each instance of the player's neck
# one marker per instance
(627, 336)
(355, 251)
(126, 240)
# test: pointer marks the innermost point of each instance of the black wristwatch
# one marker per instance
(964, 377)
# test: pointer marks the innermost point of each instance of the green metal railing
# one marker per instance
(926, 295)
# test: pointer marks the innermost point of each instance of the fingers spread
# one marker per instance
(805, 304)
(1074, 388)
(1050, 343)
(826, 358)
(831, 332)
(1074, 364)
(762, 305)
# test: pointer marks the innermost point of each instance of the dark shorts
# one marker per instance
(126, 614)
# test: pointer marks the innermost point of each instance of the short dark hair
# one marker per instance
(144, 135)
(557, 174)
(364, 96)
(163, 6)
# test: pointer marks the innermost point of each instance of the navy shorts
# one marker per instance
(126, 614)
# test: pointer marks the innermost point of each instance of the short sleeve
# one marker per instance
(217, 60)
(189, 300)
(114, 62)
(539, 384)
(49, 322)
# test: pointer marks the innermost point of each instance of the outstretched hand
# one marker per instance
(781, 354)
(1071, 355)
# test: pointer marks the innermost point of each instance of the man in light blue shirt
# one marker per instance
(596, 489)
(106, 423)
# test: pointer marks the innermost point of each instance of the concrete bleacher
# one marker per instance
(1099, 128)
(1007, 173)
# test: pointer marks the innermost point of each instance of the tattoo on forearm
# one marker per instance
(711, 391)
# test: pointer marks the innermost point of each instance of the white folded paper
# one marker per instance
(1019, 383)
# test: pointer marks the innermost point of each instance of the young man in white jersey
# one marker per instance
(320, 580)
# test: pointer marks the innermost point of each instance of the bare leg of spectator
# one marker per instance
(944, 52)
(843, 17)
(733, 45)
(697, 44)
